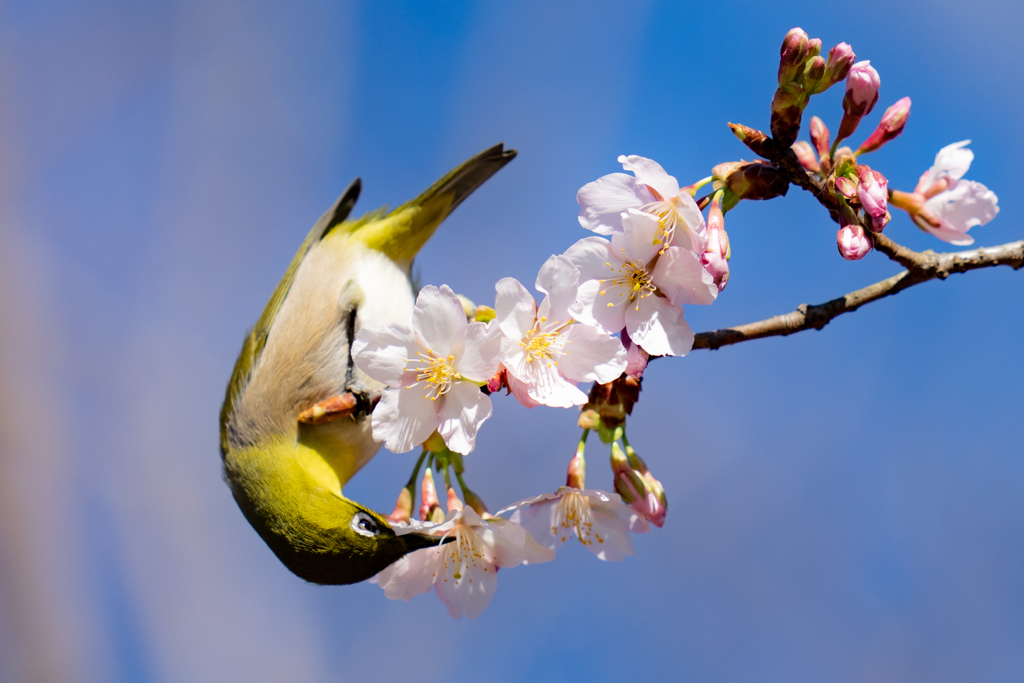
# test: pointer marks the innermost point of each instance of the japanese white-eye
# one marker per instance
(295, 424)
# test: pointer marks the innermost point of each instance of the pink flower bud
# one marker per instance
(577, 474)
(879, 222)
(873, 191)
(403, 507)
(655, 503)
(820, 137)
(846, 187)
(862, 85)
(499, 380)
(840, 60)
(715, 258)
(428, 494)
(891, 125)
(792, 55)
(806, 155)
(861, 95)
(453, 501)
(853, 243)
(636, 357)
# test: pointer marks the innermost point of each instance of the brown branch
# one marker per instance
(921, 267)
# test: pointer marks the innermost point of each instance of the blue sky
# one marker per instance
(844, 505)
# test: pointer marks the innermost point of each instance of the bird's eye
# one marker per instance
(364, 524)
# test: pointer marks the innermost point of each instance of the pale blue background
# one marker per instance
(846, 505)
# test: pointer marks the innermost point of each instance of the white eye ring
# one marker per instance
(364, 525)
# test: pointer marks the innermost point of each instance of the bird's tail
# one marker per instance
(403, 232)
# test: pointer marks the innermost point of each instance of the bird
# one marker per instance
(295, 425)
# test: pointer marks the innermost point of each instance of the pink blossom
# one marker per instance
(853, 243)
(873, 191)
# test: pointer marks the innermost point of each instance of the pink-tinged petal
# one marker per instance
(538, 519)
(591, 256)
(637, 240)
(692, 234)
(964, 206)
(548, 387)
(410, 575)
(603, 200)
(403, 419)
(658, 327)
(514, 308)
(683, 279)
(382, 353)
(952, 161)
(437, 317)
(651, 174)
(601, 305)
(476, 348)
(512, 545)
(591, 355)
(521, 390)
(559, 279)
(472, 591)
(465, 409)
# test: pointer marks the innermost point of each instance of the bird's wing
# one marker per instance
(256, 340)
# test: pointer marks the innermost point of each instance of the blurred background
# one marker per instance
(845, 505)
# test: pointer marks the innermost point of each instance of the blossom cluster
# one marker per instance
(609, 303)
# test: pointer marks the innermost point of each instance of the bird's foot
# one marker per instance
(357, 404)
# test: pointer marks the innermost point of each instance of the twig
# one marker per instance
(921, 267)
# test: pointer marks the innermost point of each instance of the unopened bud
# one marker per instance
(636, 357)
(637, 486)
(635, 461)
(576, 476)
(497, 381)
(453, 501)
(851, 240)
(759, 143)
(757, 180)
(820, 137)
(468, 307)
(840, 60)
(483, 314)
(873, 191)
(403, 507)
(428, 496)
(787, 108)
(792, 55)
(862, 85)
(814, 70)
(891, 125)
(656, 503)
(715, 258)
(806, 155)
(846, 187)
(879, 222)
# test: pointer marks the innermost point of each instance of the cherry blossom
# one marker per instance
(434, 371)
(600, 520)
(544, 350)
(946, 205)
(463, 571)
(633, 283)
(650, 190)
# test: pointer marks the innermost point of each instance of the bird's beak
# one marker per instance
(417, 541)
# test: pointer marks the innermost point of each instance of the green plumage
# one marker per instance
(287, 476)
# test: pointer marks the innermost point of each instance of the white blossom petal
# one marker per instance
(600, 304)
(952, 162)
(683, 279)
(514, 308)
(403, 419)
(591, 355)
(381, 353)
(521, 390)
(410, 575)
(637, 240)
(651, 174)
(558, 279)
(437, 317)
(961, 208)
(603, 200)
(476, 347)
(658, 327)
(465, 408)
(591, 256)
